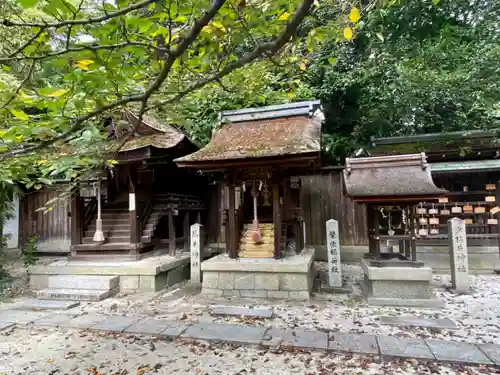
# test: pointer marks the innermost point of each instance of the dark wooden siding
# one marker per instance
(52, 228)
(323, 198)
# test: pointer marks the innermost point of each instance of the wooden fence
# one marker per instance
(52, 228)
(323, 198)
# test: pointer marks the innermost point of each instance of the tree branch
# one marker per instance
(21, 85)
(83, 21)
(267, 49)
(83, 48)
(143, 98)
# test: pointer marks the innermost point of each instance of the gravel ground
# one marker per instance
(71, 352)
(52, 352)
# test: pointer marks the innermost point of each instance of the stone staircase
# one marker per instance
(80, 288)
(264, 249)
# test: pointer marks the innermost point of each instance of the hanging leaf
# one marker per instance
(354, 15)
(28, 3)
(348, 33)
(285, 16)
(21, 115)
(435, 2)
(380, 36)
(84, 64)
(303, 66)
(331, 60)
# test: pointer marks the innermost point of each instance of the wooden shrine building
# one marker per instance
(467, 165)
(146, 200)
(255, 153)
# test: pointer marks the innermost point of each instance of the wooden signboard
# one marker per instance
(490, 187)
(456, 210)
(490, 198)
(433, 221)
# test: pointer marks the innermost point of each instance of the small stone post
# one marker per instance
(196, 252)
(457, 239)
(333, 246)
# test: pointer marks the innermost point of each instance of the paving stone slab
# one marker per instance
(39, 304)
(4, 326)
(242, 311)
(273, 337)
(353, 343)
(457, 352)
(115, 323)
(415, 321)
(391, 346)
(305, 339)
(174, 331)
(53, 320)
(20, 316)
(83, 321)
(148, 326)
(492, 351)
(230, 333)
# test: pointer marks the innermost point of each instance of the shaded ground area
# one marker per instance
(77, 352)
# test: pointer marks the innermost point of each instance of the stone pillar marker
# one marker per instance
(333, 247)
(196, 252)
(457, 239)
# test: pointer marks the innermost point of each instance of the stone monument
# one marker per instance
(196, 252)
(333, 247)
(458, 255)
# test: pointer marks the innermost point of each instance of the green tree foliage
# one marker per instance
(416, 67)
(77, 61)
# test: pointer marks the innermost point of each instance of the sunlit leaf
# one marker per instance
(20, 114)
(285, 16)
(380, 36)
(348, 33)
(28, 3)
(354, 15)
(331, 60)
(303, 66)
(83, 64)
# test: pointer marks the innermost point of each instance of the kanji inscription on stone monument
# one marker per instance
(333, 247)
(196, 252)
(457, 238)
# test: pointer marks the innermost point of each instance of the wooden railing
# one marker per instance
(145, 213)
(89, 211)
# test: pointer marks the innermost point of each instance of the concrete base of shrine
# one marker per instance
(288, 278)
(398, 286)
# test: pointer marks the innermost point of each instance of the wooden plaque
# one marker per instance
(433, 211)
(423, 232)
(490, 187)
(493, 221)
(456, 210)
(434, 231)
(468, 221)
(495, 210)
(490, 198)
(479, 210)
(434, 220)
(421, 211)
(422, 221)
(445, 212)
(443, 200)
(468, 208)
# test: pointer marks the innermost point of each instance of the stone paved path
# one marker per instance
(387, 347)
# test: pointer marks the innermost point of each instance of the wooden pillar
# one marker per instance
(231, 227)
(276, 220)
(171, 233)
(186, 231)
(135, 235)
(76, 219)
(376, 232)
(198, 217)
(413, 242)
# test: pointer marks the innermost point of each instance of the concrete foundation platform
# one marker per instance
(146, 275)
(288, 278)
(398, 286)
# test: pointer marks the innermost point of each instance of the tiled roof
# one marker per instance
(261, 138)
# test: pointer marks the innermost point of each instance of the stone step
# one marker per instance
(110, 222)
(115, 239)
(76, 294)
(253, 248)
(88, 282)
(109, 233)
(256, 254)
(126, 226)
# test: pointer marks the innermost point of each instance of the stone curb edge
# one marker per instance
(183, 327)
